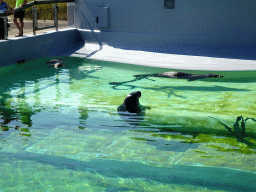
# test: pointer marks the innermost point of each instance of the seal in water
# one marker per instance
(131, 102)
(180, 75)
(131, 111)
(57, 63)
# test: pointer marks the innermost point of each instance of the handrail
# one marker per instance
(30, 4)
(34, 3)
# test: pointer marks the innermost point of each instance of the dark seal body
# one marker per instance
(131, 102)
(178, 75)
(182, 75)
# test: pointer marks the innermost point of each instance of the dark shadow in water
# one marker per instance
(175, 146)
(180, 75)
(170, 89)
(228, 76)
(22, 113)
(239, 129)
(83, 112)
(215, 178)
(119, 84)
(7, 113)
(198, 137)
(195, 88)
(133, 119)
(116, 189)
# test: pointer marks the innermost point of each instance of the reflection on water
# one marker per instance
(71, 122)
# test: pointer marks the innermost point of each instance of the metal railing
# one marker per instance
(34, 12)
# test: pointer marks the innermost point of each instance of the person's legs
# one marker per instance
(20, 25)
(22, 15)
(1, 28)
(16, 23)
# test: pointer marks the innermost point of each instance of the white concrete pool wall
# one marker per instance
(197, 35)
(62, 42)
(148, 23)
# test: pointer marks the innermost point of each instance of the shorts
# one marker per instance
(20, 14)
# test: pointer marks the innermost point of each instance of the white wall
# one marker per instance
(230, 22)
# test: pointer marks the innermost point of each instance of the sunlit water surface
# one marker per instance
(61, 130)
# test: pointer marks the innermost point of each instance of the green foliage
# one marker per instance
(12, 3)
(46, 12)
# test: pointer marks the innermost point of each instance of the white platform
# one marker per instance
(163, 60)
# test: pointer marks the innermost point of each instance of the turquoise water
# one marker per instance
(61, 131)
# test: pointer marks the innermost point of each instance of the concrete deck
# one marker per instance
(164, 60)
(135, 49)
(70, 41)
(28, 27)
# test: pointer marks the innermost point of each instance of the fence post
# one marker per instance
(35, 24)
(71, 14)
(5, 28)
(56, 16)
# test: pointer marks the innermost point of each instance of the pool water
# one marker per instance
(61, 129)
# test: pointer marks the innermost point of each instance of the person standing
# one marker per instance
(4, 8)
(19, 14)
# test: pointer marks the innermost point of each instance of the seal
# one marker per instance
(179, 75)
(131, 111)
(57, 63)
(131, 102)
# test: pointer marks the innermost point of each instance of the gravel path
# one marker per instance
(28, 27)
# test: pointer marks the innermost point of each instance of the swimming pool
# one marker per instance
(61, 130)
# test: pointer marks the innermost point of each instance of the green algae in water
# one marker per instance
(245, 150)
(27, 135)
(25, 130)
(199, 151)
(82, 98)
(142, 139)
(5, 128)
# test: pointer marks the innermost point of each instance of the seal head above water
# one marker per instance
(56, 63)
(131, 111)
(131, 102)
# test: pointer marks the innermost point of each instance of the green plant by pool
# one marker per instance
(61, 129)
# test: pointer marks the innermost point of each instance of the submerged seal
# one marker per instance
(57, 63)
(180, 75)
